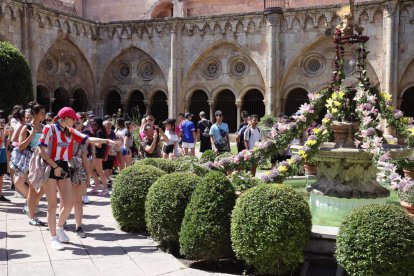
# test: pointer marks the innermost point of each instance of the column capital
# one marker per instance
(390, 8)
(239, 103)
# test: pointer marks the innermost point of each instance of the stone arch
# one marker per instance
(113, 102)
(80, 100)
(163, 9)
(43, 96)
(295, 98)
(61, 99)
(407, 102)
(136, 99)
(133, 67)
(226, 102)
(159, 106)
(64, 64)
(253, 102)
(199, 102)
(407, 77)
(191, 90)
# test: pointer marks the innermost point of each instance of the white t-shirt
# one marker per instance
(172, 137)
(253, 136)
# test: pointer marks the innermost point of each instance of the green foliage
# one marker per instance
(15, 78)
(243, 181)
(270, 226)
(208, 155)
(267, 121)
(376, 239)
(223, 155)
(129, 193)
(166, 165)
(165, 205)
(190, 164)
(205, 231)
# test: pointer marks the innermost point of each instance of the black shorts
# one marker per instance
(65, 173)
(167, 149)
(108, 164)
(3, 169)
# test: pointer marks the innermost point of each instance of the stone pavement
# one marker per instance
(25, 249)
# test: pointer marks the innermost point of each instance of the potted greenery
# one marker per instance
(407, 166)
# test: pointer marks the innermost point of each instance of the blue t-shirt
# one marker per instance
(215, 131)
(188, 129)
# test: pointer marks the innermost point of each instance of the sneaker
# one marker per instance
(60, 233)
(25, 209)
(85, 199)
(4, 199)
(104, 192)
(80, 233)
(36, 222)
(56, 244)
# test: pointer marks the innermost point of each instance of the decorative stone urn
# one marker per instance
(344, 133)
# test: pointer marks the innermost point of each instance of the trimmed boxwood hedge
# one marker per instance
(166, 201)
(166, 165)
(15, 77)
(205, 231)
(208, 156)
(270, 226)
(129, 193)
(190, 164)
(376, 239)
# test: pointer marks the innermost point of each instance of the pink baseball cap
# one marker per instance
(68, 112)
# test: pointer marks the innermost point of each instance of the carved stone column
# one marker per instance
(273, 73)
(239, 105)
(212, 107)
(174, 76)
(147, 106)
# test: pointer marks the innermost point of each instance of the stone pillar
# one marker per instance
(390, 47)
(147, 106)
(239, 105)
(180, 8)
(174, 76)
(273, 74)
(212, 106)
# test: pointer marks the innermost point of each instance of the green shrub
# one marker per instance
(224, 155)
(243, 181)
(270, 226)
(205, 231)
(376, 239)
(129, 193)
(166, 201)
(207, 156)
(190, 164)
(166, 165)
(15, 78)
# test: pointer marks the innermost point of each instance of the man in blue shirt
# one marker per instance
(188, 135)
(219, 134)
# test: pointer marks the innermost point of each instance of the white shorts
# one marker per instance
(187, 145)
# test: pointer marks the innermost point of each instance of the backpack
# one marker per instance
(206, 132)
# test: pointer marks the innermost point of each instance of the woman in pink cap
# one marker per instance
(56, 148)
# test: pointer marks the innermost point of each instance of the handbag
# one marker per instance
(19, 160)
(39, 169)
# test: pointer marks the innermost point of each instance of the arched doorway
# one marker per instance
(198, 103)
(295, 99)
(80, 102)
(61, 100)
(113, 103)
(253, 103)
(226, 102)
(159, 107)
(163, 10)
(407, 104)
(43, 97)
(136, 104)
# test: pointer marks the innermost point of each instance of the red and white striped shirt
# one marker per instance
(62, 147)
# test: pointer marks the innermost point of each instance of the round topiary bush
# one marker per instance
(166, 201)
(129, 193)
(270, 226)
(205, 231)
(208, 156)
(376, 239)
(190, 164)
(15, 77)
(166, 165)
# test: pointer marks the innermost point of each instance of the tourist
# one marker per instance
(148, 120)
(28, 142)
(180, 120)
(168, 148)
(219, 134)
(61, 135)
(129, 141)
(27, 116)
(150, 146)
(251, 137)
(112, 153)
(49, 118)
(121, 137)
(188, 131)
(203, 132)
(3, 157)
(100, 154)
(240, 134)
(78, 178)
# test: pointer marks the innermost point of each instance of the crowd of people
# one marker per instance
(82, 151)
